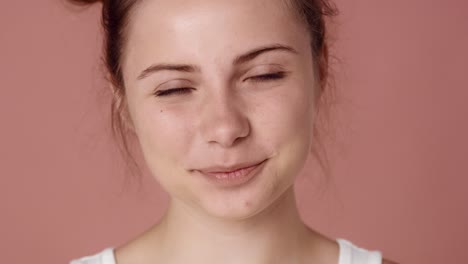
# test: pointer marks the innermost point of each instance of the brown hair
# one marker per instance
(115, 18)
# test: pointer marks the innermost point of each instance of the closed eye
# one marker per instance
(180, 90)
(268, 77)
(186, 90)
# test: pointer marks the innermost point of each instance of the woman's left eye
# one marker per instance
(268, 77)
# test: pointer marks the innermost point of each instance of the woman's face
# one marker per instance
(225, 115)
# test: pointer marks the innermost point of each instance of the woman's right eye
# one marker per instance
(181, 90)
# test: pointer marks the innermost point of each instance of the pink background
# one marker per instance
(400, 160)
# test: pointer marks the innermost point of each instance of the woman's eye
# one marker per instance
(269, 76)
(181, 90)
(186, 90)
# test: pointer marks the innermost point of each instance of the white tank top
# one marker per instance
(349, 254)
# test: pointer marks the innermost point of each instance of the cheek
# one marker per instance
(286, 114)
(286, 125)
(164, 136)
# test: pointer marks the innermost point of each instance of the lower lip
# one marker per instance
(234, 178)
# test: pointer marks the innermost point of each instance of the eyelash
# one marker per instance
(258, 78)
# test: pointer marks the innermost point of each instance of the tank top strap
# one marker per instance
(349, 254)
(105, 256)
(352, 254)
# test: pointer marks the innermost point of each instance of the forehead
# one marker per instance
(207, 32)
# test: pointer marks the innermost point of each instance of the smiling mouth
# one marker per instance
(230, 178)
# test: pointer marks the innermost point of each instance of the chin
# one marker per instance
(248, 200)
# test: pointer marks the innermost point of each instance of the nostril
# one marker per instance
(223, 120)
(227, 132)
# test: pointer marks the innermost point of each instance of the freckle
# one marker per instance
(160, 111)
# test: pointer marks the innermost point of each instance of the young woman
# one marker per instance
(223, 97)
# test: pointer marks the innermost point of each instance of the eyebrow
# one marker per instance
(241, 59)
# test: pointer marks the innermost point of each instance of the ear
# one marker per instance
(121, 107)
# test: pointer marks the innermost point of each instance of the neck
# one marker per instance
(273, 236)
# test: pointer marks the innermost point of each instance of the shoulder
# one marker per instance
(352, 253)
(105, 256)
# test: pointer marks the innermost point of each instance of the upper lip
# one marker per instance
(234, 167)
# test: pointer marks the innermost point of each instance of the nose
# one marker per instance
(224, 120)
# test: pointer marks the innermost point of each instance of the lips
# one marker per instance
(228, 169)
(231, 176)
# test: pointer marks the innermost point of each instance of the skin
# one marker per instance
(225, 117)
